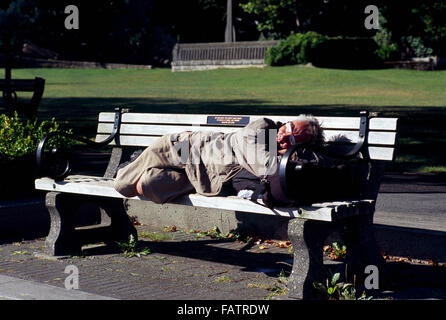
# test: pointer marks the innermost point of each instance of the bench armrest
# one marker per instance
(65, 167)
(360, 147)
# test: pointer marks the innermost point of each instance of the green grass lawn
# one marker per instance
(75, 97)
(272, 86)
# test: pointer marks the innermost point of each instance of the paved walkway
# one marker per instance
(184, 266)
(413, 201)
(18, 289)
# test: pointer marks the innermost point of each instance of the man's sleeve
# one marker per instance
(255, 147)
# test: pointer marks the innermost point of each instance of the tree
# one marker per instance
(275, 18)
(124, 31)
(15, 22)
(278, 18)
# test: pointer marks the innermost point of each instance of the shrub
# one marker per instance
(19, 139)
(388, 52)
(324, 51)
(387, 49)
(348, 52)
(416, 47)
(298, 48)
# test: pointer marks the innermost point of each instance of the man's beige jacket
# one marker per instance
(209, 159)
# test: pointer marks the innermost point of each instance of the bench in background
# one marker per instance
(205, 56)
(10, 89)
(371, 138)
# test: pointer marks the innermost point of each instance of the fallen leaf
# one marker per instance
(283, 244)
(170, 229)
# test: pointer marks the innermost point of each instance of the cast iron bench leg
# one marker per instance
(349, 232)
(307, 238)
(370, 254)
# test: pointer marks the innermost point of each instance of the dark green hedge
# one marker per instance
(323, 51)
(298, 48)
(355, 53)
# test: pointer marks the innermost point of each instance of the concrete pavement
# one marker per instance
(184, 266)
(17, 289)
(414, 201)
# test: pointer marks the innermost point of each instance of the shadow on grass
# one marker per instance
(86, 110)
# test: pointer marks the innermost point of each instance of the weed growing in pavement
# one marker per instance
(335, 290)
(19, 252)
(132, 248)
(156, 236)
(279, 287)
(335, 251)
(215, 233)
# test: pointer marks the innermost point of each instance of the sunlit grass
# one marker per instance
(293, 85)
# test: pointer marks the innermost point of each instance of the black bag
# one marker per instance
(245, 180)
(311, 178)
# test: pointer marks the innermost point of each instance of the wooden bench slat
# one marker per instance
(159, 130)
(19, 85)
(97, 186)
(19, 88)
(386, 124)
(378, 153)
(131, 141)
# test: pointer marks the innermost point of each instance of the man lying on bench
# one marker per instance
(202, 162)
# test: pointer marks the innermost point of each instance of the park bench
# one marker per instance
(367, 137)
(205, 56)
(10, 89)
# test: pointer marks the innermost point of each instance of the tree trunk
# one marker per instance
(229, 33)
(8, 94)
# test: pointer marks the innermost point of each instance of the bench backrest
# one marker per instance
(25, 85)
(142, 129)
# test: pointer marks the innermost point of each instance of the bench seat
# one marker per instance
(103, 187)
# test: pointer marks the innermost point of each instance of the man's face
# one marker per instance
(298, 129)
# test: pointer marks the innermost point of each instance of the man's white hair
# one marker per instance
(314, 126)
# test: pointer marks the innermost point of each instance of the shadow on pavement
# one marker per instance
(214, 251)
(407, 280)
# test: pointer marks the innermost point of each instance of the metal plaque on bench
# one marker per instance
(228, 120)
